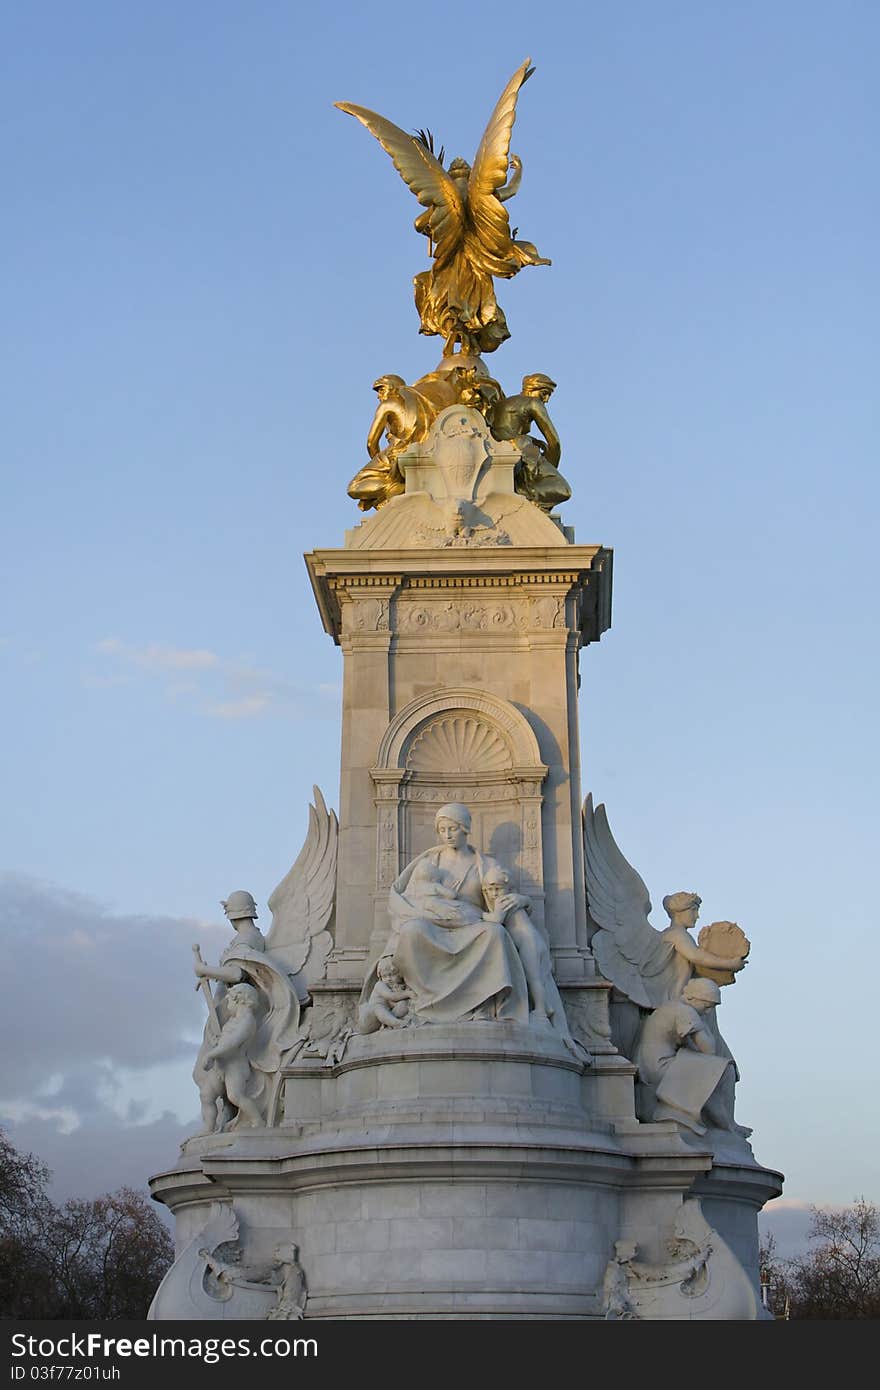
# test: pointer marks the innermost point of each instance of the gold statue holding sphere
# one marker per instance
(471, 245)
(466, 223)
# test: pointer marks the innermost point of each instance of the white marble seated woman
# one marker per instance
(457, 959)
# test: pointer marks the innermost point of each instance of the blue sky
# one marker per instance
(206, 266)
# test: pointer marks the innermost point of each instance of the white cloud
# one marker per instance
(248, 707)
(788, 1221)
(216, 687)
(62, 1117)
(156, 656)
(103, 1155)
(106, 1025)
(94, 992)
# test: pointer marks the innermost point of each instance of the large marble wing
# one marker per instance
(628, 950)
(302, 904)
(489, 173)
(424, 175)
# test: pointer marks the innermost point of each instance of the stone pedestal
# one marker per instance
(460, 684)
(472, 1171)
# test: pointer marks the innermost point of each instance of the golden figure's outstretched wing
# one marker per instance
(489, 173)
(424, 174)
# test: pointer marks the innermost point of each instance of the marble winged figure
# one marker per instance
(650, 967)
(466, 223)
(667, 973)
(262, 984)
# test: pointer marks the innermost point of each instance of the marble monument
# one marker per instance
(462, 1075)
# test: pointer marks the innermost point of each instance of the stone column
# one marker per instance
(507, 623)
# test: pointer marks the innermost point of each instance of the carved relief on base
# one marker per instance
(700, 1279)
(214, 1279)
(587, 1011)
(327, 1026)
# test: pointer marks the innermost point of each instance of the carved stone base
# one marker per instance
(470, 1171)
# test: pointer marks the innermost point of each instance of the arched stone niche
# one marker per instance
(464, 745)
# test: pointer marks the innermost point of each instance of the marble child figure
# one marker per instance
(546, 1006)
(225, 1074)
(292, 1290)
(435, 898)
(388, 1004)
(511, 909)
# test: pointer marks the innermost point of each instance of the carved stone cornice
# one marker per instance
(339, 577)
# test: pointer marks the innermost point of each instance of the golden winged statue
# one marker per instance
(466, 224)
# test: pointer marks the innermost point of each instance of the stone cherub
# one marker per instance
(388, 1003)
(292, 1288)
(225, 1074)
(465, 221)
(537, 477)
(617, 1304)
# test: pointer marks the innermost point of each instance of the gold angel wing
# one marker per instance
(489, 173)
(424, 175)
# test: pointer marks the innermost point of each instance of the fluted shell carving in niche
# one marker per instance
(458, 743)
